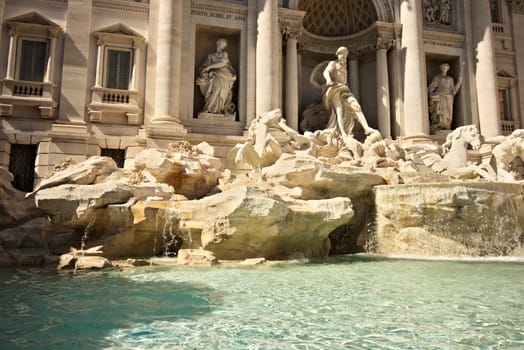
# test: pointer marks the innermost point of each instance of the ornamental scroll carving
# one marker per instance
(438, 11)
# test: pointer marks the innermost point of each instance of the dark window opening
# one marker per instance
(32, 64)
(496, 16)
(504, 109)
(22, 166)
(118, 69)
(118, 155)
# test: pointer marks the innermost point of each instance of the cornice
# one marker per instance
(136, 8)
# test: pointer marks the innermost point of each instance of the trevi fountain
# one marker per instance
(297, 247)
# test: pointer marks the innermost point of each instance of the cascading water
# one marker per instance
(87, 231)
(478, 219)
(170, 234)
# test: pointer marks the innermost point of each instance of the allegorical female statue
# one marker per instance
(442, 91)
(216, 79)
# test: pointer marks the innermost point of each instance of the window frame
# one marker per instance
(19, 64)
(106, 67)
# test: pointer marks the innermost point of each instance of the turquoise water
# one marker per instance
(339, 303)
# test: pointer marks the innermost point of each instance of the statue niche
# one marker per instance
(441, 93)
(215, 79)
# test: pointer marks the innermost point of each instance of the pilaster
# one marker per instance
(74, 92)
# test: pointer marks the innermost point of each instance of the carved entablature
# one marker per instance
(438, 12)
(132, 8)
(517, 6)
(379, 34)
(290, 22)
(223, 11)
(444, 39)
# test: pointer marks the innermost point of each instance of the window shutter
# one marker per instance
(32, 63)
(118, 69)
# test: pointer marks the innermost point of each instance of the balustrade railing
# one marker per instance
(114, 96)
(497, 28)
(506, 127)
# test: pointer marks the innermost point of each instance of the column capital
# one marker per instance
(382, 43)
(517, 6)
(13, 31)
(290, 32)
(354, 55)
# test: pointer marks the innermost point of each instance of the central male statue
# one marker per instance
(338, 99)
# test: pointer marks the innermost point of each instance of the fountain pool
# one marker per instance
(347, 302)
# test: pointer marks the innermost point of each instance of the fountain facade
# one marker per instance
(241, 180)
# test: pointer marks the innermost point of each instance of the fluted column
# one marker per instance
(168, 61)
(292, 79)
(485, 74)
(416, 119)
(11, 58)
(354, 79)
(267, 57)
(383, 108)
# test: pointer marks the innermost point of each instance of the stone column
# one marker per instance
(354, 79)
(291, 79)
(168, 61)
(11, 58)
(267, 57)
(51, 58)
(383, 108)
(251, 95)
(99, 62)
(416, 117)
(485, 74)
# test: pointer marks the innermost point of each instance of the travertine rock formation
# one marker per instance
(468, 218)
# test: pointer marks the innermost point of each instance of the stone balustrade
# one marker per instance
(28, 93)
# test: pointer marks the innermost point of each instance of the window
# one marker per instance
(33, 59)
(505, 112)
(22, 166)
(118, 69)
(116, 94)
(29, 79)
(496, 16)
(118, 155)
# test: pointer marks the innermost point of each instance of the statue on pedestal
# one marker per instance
(216, 79)
(441, 93)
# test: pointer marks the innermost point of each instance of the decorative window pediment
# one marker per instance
(32, 21)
